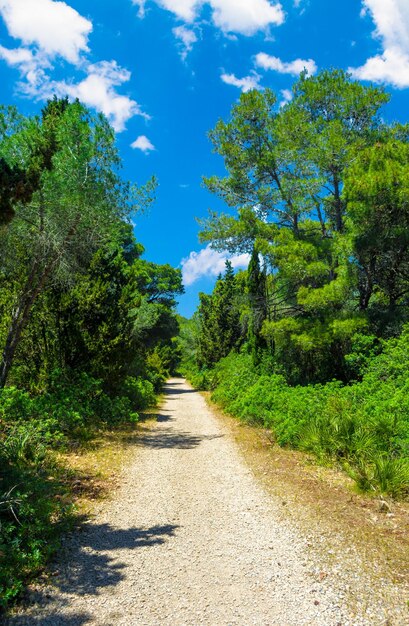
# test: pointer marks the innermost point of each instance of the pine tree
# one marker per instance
(256, 285)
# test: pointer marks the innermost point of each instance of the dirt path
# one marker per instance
(191, 538)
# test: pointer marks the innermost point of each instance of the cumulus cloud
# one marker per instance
(142, 143)
(98, 90)
(209, 263)
(391, 18)
(231, 16)
(245, 84)
(286, 96)
(187, 38)
(185, 10)
(242, 16)
(16, 56)
(30, 66)
(49, 29)
(53, 27)
(294, 68)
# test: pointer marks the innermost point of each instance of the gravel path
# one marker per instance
(190, 538)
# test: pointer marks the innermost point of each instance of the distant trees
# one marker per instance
(219, 320)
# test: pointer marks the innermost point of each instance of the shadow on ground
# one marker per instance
(170, 438)
(90, 569)
(154, 415)
(53, 620)
(171, 389)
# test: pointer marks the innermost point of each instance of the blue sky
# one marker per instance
(164, 72)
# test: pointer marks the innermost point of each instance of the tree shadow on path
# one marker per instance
(167, 438)
(78, 619)
(89, 569)
(172, 389)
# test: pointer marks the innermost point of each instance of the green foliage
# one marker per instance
(33, 510)
(86, 325)
(257, 294)
(319, 188)
(363, 428)
(141, 393)
(219, 320)
(376, 189)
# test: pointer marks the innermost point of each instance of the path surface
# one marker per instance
(190, 538)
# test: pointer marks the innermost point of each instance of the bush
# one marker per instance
(363, 427)
(140, 393)
(32, 509)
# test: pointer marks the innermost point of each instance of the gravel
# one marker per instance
(191, 538)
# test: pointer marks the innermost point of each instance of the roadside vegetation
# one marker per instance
(86, 323)
(312, 341)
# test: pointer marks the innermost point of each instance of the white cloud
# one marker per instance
(242, 16)
(97, 90)
(286, 96)
(31, 66)
(390, 67)
(49, 29)
(245, 84)
(141, 5)
(238, 16)
(187, 37)
(142, 143)
(16, 56)
(294, 68)
(391, 18)
(184, 9)
(209, 263)
(54, 27)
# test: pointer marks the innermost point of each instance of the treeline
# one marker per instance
(312, 340)
(86, 324)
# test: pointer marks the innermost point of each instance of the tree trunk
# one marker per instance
(30, 294)
(17, 325)
(338, 205)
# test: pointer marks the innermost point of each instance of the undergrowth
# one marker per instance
(363, 427)
(35, 501)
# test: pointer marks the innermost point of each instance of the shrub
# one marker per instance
(363, 427)
(140, 393)
(32, 510)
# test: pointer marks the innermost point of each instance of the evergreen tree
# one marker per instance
(219, 318)
(256, 286)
